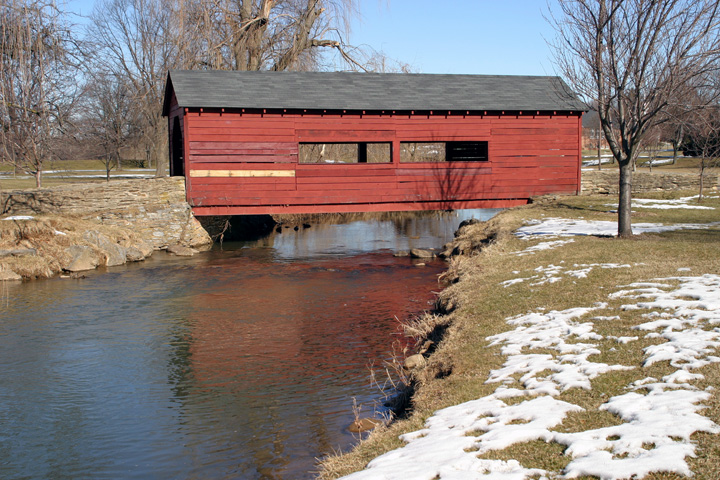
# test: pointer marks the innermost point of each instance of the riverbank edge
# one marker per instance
(428, 330)
(74, 228)
(468, 254)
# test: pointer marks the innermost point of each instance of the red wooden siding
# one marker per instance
(247, 163)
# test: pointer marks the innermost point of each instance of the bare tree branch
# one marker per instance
(635, 58)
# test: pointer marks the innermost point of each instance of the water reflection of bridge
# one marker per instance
(280, 348)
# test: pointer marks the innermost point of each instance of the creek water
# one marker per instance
(240, 362)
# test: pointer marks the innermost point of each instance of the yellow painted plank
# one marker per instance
(242, 173)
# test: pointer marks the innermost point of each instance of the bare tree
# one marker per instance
(37, 86)
(673, 130)
(591, 126)
(270, 34)
(703, 141)
(140, 40)
(652, 145)
(110, 117)
(635, 58)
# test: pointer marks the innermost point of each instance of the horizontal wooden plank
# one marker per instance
(244, 145)
(242, 166)
(344, 124)
(443, 127)
(345, 136)
(540, 158)
(242, 151)
(370, 207)
(243, 158)
(527, 152)
(541, 146)
(242, 173)
(264, 136)
(217, 116)
(216, 189)
(219, 183)
(432, 137)
(345, 170)
(389, 179)
(536, 130)
(443, 172)
(316, 198)
(229, 132)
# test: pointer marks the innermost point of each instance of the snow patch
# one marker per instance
(569, 227)
(658, 416)
(553, 273)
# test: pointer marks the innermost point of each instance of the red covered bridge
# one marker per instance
(311, 142)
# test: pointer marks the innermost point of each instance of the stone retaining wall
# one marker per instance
(606, 181)
(153, 208)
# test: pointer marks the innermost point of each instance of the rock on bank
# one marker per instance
(81, 226)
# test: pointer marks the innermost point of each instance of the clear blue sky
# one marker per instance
(450, 36)
(459, 36)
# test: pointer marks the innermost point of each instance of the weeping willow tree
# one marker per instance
(38, 56)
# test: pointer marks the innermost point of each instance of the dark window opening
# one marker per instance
(443, 151)
(177, 162)
(467, 151)
(344, 153)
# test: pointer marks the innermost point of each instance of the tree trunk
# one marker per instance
(38, 177)
(677, 141)
(158, 153)
(702, 182)
(625, 200)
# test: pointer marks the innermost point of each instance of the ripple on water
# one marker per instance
(239, 363)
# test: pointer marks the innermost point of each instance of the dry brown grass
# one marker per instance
(49, 236)
(478, 306)
(61, 172)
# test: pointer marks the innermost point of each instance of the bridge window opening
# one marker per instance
(467, 151)
(424, 152)
(344, 153)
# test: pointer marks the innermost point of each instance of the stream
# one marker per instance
(238, 363)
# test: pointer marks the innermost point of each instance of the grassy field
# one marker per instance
(64, 172)
(682, 165)
(479, 303)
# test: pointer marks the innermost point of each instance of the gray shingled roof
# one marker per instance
(369, 91)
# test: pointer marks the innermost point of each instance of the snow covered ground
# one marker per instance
(656, 417)
(678, 203)
(561, 227)
(683, 202)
